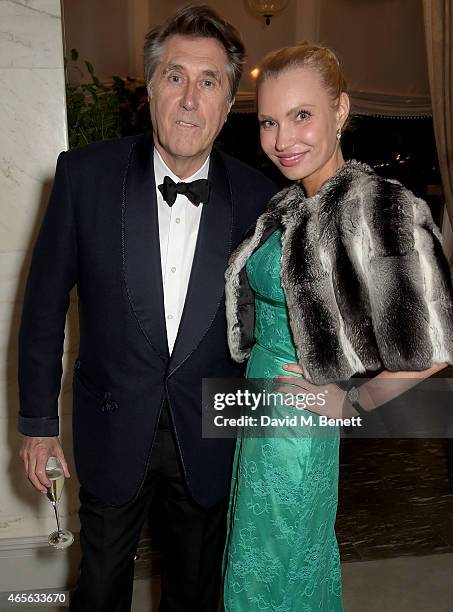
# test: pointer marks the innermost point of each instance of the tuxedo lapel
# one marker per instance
(207, 283)
(141, 247)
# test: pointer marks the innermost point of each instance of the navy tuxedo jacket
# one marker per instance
(101, 233)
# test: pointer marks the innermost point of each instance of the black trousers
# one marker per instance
(192, 542)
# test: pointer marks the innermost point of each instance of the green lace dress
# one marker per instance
(281, 553)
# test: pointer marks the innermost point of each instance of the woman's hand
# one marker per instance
(335, 406)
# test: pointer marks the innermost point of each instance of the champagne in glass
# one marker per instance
(56, 477)
(54, 472)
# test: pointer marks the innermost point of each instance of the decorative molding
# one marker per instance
(390, 105)
(245, 102)
(28, 544)
(30, 563)
(362, 103)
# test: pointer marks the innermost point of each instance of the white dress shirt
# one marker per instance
(178, 232)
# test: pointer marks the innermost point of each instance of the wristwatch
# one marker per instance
(353, 396)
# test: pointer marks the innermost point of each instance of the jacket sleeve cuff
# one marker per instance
(44, 427)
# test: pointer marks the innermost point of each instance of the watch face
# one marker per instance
(353, 394)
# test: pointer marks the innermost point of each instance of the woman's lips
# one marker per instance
(291, 159)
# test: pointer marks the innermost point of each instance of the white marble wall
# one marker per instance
(32, 133)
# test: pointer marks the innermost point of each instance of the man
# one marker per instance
(135, 226)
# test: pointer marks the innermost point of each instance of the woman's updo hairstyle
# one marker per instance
(305, 55)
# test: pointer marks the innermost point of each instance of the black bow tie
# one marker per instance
(196, 191)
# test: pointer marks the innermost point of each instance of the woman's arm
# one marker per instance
(373, 393)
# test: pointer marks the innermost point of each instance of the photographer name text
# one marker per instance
(298, 420)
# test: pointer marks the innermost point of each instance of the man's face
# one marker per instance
(189, 101)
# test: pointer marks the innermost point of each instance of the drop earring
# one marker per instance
(338, 133)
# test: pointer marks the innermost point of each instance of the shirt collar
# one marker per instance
(161, 170)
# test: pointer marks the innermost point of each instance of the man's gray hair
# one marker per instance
(197, 21)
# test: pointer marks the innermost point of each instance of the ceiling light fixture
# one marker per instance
(267, 8)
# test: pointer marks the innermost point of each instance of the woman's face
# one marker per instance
(298, 125)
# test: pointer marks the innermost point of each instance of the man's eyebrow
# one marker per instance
(169, 67)
(212, 73)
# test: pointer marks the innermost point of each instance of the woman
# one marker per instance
(331, 276)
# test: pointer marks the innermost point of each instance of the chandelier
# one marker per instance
(267, 8)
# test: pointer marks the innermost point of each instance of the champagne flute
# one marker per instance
(54, 472)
